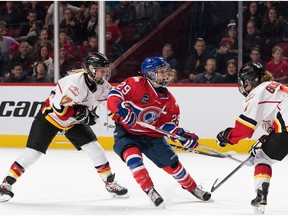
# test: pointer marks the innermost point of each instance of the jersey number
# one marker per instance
(124, 88)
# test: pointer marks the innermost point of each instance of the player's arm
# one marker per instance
(244, 128)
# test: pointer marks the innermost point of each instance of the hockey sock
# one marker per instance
(104, 171)
(180, 174)
(262, 173)
(15, 171)
(134, 161)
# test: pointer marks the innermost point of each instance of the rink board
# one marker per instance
(205, 110)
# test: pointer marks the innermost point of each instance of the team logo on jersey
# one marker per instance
(65, 99)
(74, 90)
(145, 99)
(150, 114)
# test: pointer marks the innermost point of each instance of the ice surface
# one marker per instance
(64, 182)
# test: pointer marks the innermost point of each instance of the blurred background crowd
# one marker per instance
(199, 39)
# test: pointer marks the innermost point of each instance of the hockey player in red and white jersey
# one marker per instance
(266, 106)
(146, 99)
(70, 108)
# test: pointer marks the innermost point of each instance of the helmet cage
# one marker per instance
(95, 62)
(155, 77)
(92, 71)
(157, 70)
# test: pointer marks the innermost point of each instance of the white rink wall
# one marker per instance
(205, 110)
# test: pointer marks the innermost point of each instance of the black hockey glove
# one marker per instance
(221, 139)
(257, 145)
(85, 116)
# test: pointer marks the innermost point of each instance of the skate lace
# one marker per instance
(199, 192)
(114, 186)
(6, 186)
(153, 194)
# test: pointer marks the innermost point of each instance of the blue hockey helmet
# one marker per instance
(151, 67)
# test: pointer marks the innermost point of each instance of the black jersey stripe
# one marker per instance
(249, 120)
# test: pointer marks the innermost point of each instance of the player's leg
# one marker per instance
(126, 147)
(275, 148)
(40, 136)
(83, 138)
(162, 154)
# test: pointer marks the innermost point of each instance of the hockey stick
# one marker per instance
(214, 186)
(195, 151)
(106, 124)
(175, 136)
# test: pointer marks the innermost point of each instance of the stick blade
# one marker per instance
(213, 188)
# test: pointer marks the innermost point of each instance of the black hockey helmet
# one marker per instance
(94, 62)
(249, 76)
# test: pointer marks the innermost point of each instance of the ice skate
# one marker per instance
(154, 196)
(5, 192)
(200, 194)
(261, 199)
(115, 189)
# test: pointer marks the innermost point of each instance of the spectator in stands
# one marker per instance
(231, 33)
(148, 16)
(278, 66)
(272, 29)
(66, 61)
(195, 63)
(231, 72)
(253, 39)
(43, 56)
(209, 75)
(124, 14)
(25, 56)
(223, 54)
(39, 9)
(40, 74)
(90, 24)
(43, 41)
(63, 40)
(7, 46)
(30, 29)
(16, 74)
(11, 15)
(113, 38)
(285, 33)
(168, 55)
(255, 56)
(252, 14)
(72, 26)
(174, 76)
(62, 5)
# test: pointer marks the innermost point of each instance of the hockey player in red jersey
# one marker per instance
(266, 105)
(70, 108)
(146, 99)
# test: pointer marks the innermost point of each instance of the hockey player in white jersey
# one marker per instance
(266, 106)
(70, 108)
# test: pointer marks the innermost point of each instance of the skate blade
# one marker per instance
(259, 210)
(4, 198)
(115, 196)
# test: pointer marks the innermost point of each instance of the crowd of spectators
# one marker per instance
(265, 32)
(27, 51)
(26, 34)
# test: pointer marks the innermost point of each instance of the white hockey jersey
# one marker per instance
(266, 106)
(70, 91)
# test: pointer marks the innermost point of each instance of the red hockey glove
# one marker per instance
(191, 138)
(257, 145)
(222, 137)
(128, 115)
